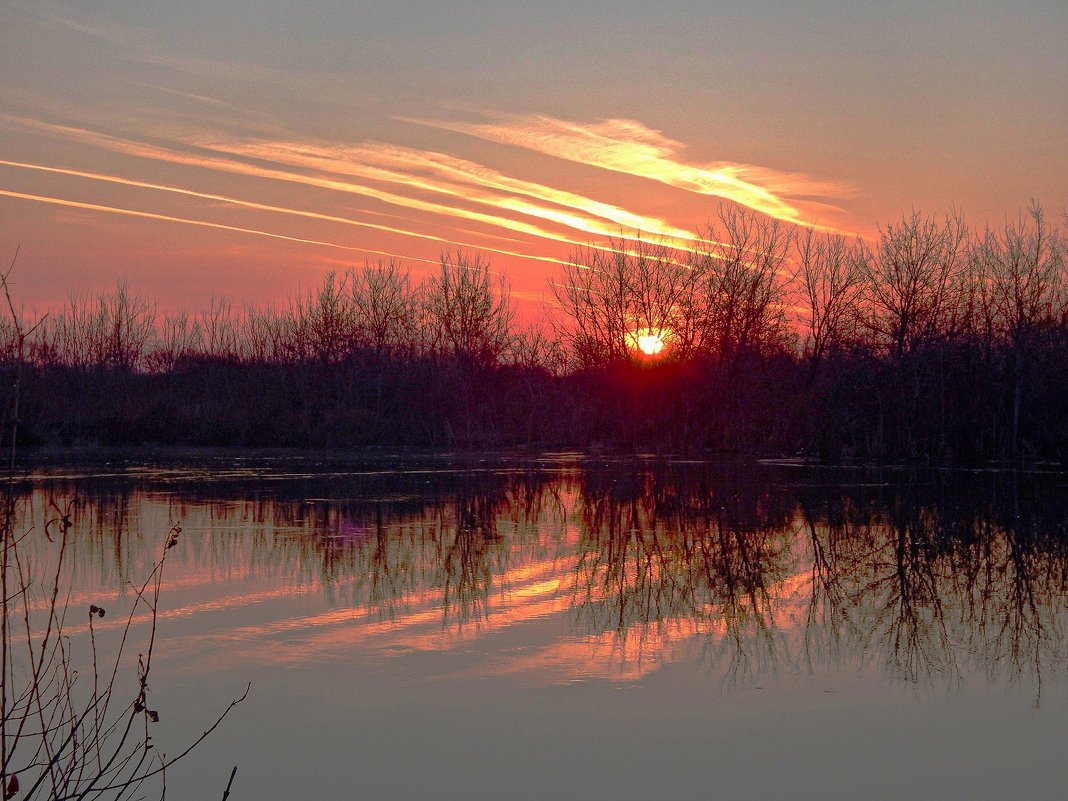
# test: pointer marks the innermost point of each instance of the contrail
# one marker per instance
(227, 164)
(116, 179)
(76, 204)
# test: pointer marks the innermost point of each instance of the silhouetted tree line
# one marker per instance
(931, 342)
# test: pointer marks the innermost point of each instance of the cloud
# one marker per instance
(456, 177)
(628, 146)
(205, 99)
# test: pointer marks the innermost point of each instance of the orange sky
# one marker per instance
(246, 151)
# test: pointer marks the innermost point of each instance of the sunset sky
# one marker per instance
(247, 148)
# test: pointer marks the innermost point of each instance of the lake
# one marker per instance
(576, 626)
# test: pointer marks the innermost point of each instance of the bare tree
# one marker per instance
(219, 329)
(610, 296)
(385, 307)
(741, 276)
(593, 295)
(129, 320)
(264, 336)
(177, 337)
(830, 283)
(323, 320)
(913, 278)
(537, 347)
(468, 311)
(721, 298)
(112, 330)
(1022, 271)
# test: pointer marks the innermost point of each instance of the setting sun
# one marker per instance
(647, 341)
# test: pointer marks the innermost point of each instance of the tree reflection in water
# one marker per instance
(657, 549)
(930, 580)
(928, 576)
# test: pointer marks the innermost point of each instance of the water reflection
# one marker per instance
(568, 570)
(932, 582)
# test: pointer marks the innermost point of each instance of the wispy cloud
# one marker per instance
(205, 99)
(149, 47)
(110, 36)
(456, 177)
(628, 146)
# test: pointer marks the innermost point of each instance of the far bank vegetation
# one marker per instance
(932, 342)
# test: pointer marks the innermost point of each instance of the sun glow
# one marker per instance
(647, 341)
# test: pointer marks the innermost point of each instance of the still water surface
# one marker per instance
(575, 627)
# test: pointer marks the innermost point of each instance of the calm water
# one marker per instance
(571, 627)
